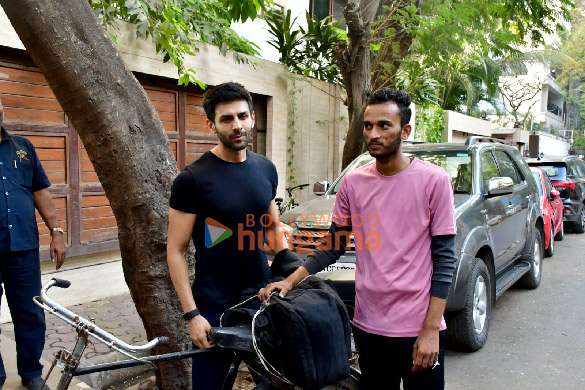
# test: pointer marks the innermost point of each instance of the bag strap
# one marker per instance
(234, 306)
(265, 363)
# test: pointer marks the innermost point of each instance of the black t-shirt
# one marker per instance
(226, 197)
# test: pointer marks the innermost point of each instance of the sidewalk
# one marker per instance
(97, 291)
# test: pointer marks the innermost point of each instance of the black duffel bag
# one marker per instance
(303, 338)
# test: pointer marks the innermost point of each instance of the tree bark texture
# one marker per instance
(127, 145)
(353, 59)
(361, 69)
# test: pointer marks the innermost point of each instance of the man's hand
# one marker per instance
(57, 249)
(284, 286)
(198, 329)
(426, 350)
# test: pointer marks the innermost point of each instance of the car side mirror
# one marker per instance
(320, 187)
(555, 194)
(500, 186)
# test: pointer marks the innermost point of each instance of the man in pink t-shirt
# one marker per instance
(401, 212)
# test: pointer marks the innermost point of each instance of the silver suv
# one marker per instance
(499, 230)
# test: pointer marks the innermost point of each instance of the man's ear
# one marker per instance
(406, 131)
(210, 125)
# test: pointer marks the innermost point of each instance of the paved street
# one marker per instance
(537, 338)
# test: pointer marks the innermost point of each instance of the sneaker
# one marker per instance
(35, 384)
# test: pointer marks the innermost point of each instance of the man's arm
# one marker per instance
(316, 262)
(426, 348)
(44, 204)
(275, 235)
(179, 234)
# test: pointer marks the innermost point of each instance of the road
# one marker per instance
(537, 337)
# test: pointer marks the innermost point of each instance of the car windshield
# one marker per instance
(457, 164)
(554, 172)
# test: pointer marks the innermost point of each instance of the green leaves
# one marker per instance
(176, 26)
(309, 51)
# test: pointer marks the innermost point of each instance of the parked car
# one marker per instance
(500, 230)
(567, 175)
(552, 210)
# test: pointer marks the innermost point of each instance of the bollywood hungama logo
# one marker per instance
(215, 232)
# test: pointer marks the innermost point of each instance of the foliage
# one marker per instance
(572, 75)
(466, 46)
(292, 131)
(176, 26)
(429, 124)
(306, 51)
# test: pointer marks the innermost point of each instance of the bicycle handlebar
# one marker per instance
(79, 322)
(291, 189)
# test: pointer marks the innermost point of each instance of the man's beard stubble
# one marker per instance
(227, 141)
(390, 151)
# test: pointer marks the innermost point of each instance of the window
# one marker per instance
(507, 167)
(320, 9)
(489, 169)
(538, 183)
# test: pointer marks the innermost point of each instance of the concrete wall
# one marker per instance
(552, 145)
(459, 126)
(320, 145)
(320, 124)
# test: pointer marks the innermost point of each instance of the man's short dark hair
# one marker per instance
(402, 100)
(226, 92)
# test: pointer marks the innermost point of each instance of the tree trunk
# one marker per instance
(361, 71)
(127, 145)
(354, 62)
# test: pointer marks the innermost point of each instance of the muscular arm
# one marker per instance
(179, 234)
(44, 204)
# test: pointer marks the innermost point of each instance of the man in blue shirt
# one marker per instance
(24, 186)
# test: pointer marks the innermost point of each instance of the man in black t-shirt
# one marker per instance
(224, 201)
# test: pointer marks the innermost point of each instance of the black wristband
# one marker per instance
(190, 315)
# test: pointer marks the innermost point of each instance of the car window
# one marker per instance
(556, 172)
(457, 164)
(548, 186)
(580, 168)
(359, 162)
(538, 182)
(489, 169)
(507, 167)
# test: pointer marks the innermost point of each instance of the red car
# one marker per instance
(552, 209)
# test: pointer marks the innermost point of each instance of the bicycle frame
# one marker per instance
(68, 362)
(236, 339)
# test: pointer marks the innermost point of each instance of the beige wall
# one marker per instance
(318, 146)
(321, 124)
(459, 126)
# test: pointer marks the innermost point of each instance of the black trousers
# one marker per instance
(210, 370)
(384, 361)
(20, 275)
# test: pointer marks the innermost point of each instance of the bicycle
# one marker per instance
(283, 207)
(237, 339)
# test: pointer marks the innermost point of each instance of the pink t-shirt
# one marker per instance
(393, 219)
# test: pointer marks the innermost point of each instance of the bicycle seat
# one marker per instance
(236, 337)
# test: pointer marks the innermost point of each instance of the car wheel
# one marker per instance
(561, 234)
(548, 252)
(467, 329)
(579, 226)
(531, 279)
